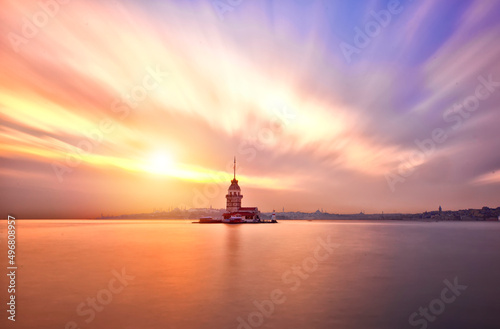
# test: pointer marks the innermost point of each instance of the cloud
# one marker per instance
(267, 84)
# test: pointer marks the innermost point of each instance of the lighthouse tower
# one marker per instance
(233, 197)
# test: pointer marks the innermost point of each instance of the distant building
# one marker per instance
(233, 201)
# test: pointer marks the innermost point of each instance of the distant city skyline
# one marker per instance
(121, 107)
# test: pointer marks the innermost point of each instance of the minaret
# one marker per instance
(233, 197)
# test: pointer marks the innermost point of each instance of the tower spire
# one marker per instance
(234, 168)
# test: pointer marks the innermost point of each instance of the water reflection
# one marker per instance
(206, 276)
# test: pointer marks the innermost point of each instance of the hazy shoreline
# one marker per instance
(483, 214)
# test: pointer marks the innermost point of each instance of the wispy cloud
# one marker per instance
(223, 81)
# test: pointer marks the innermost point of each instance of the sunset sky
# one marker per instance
(119, 107)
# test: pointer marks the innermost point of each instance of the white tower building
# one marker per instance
(233, 197)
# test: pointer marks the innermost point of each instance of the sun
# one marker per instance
(160, 163)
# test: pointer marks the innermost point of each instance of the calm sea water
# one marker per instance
(296, 274)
